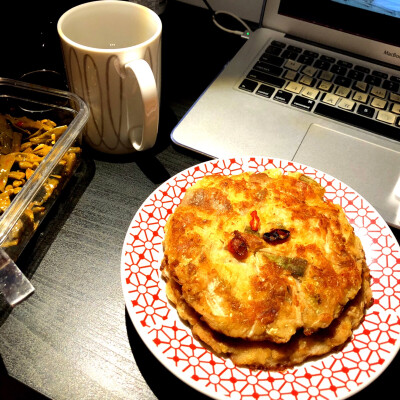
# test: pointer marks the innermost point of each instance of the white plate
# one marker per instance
(336, 376)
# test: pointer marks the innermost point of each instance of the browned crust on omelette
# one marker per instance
(269, 355)
(301, 284)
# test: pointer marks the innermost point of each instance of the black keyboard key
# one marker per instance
(295, 49)
(362, 69)
(345, 64)
(343, 81)
(310, 53)
(307, 60)
(291, 55)
(265, 78)
(272, 59)
(391, 85)
(338, 69)
(327, 59)
(303, 103)
(273, 50)
(248, 85)
(265, 91)
(373, 80)
(321, 64)
(359, 121)
(366, 111)
(395, 78)
(356, 75)
(277, 43)
(282, 96)
(268, 68)
(380, 74)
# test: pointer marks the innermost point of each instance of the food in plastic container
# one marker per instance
(40, 146)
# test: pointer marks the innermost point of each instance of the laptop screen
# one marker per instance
(368, 28)
(378, 20)
(386, 7)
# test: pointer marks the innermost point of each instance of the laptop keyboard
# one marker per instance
(333, 88)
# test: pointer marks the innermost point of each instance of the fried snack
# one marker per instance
(262, 256)
(269, 355)
(24, 144)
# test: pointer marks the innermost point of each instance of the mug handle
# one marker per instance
(147, 86)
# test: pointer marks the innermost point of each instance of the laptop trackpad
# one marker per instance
(371, 170)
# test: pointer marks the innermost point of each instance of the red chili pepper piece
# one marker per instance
(276, 236)
(20, 124)
(255, 221)
(238, 246)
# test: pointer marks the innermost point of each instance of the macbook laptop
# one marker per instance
(319, 84)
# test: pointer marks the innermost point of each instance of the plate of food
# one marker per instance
(257, 277)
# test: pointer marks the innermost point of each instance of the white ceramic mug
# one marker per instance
(112, 56)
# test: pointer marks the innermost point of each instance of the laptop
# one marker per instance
(318, 83)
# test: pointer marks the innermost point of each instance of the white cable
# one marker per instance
(241, 33)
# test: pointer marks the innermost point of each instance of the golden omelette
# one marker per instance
(261, 256)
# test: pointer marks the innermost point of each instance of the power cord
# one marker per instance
(245, 34)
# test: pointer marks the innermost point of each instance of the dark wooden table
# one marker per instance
(73, 339)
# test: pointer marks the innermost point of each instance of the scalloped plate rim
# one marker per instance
(153, 348)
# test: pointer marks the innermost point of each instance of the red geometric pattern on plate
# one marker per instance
(374, 343)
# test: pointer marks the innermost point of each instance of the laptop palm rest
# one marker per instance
(359, 164)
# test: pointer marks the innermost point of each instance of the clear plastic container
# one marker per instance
(29, 207)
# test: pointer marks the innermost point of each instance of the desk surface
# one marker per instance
(73, 338)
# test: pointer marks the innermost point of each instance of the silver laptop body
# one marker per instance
(229, 121)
